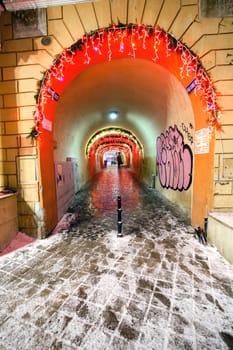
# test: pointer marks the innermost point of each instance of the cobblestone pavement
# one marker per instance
(156, 287)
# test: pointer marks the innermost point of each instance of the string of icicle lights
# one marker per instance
(127, 40)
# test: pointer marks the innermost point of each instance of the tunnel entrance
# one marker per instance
(104, 147)
(158, 85)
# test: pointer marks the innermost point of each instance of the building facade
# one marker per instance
(166, 67)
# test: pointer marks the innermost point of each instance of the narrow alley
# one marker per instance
(157, 287)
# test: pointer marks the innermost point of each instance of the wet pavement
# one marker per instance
(83, 287)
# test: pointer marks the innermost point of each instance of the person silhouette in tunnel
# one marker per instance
(119, 160)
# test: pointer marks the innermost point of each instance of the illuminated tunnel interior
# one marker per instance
(161, 95)
(146, 97)
(105, 146)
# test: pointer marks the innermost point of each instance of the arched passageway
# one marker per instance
(105, 144)
(161, 94)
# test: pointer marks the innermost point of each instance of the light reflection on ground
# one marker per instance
(111, 183)
(155, 288)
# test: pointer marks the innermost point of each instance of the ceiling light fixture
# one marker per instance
(113, 115)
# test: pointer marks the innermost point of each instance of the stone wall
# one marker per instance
(23, 62)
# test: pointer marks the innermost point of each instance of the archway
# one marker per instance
(117, 140)
(134, 42)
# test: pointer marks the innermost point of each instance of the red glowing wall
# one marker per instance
(114, 43)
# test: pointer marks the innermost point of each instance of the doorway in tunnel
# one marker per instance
(109, 158)
(161, 92)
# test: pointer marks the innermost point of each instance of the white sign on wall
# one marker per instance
(202, 141)
(47, 124)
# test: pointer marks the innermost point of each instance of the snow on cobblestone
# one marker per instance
(156, 287)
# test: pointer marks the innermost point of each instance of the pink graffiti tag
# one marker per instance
(174, 160)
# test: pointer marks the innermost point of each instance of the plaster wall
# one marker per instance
(220, 233)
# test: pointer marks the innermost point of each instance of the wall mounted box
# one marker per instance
(8, 219)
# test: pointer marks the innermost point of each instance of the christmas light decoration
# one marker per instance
(110, 137)
(128, 40)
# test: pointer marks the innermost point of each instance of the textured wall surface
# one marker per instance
(23, 62)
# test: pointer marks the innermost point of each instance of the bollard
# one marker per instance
(153, 180)
(119, 219)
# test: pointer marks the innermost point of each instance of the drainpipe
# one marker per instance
(205, 228)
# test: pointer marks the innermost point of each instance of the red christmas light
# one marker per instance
(137, 36)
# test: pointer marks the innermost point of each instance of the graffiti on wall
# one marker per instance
(187, 129)
(174, 160)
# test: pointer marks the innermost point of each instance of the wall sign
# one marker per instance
(29, 23)
(55, 96)
(202, 139)
(191, 86)
(216, 8)
(47, 124)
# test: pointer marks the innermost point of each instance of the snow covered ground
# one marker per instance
(154, 288)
